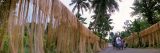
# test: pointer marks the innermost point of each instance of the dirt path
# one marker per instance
(130, 50)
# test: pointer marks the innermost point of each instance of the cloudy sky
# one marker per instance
(118, 17)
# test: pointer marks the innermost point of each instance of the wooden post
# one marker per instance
(149, 38)
(156, 38)
(143, 41)
(153, 39)
(158, 42)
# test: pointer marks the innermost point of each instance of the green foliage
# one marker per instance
(139, 25)
(147, 9)
(134, 26)
(124, 34)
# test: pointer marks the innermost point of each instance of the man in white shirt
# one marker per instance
(118, 42)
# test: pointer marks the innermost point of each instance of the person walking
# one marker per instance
(119, 42)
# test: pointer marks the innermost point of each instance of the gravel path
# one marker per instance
(130, 50)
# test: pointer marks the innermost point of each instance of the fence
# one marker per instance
(150, 37)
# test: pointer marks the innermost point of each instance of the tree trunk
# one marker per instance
(78, 12)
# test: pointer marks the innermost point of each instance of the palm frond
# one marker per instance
(74, 8)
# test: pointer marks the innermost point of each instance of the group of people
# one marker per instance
(118, 42)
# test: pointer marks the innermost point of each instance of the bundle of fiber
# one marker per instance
(50, 28)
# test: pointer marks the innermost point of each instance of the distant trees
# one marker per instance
(134, 26)
(149, 12)
(111, 36)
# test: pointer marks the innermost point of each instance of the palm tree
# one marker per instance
(80, 5)
(102, 10)
(102, 21)
(147, 9)
(102, 7)
(102, 26)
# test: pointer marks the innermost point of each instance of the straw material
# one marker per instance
(50, 28)
(150, 36)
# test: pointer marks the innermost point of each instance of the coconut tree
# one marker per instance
(80, 6)
(102, 26)
(102, 10)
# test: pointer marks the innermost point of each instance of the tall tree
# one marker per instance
(137, 28)
(147, 9)
(80, 5)
(102, 21)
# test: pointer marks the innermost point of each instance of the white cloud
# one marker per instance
(122, 15)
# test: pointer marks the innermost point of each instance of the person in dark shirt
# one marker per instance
(114, 42)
